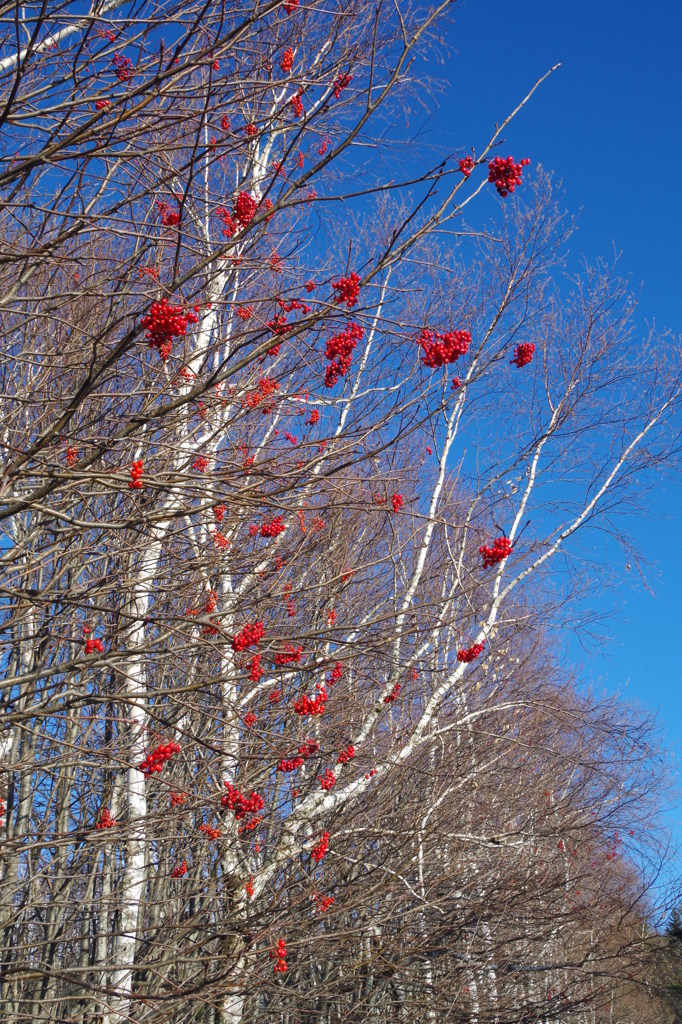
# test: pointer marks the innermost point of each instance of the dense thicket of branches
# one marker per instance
(285, 733)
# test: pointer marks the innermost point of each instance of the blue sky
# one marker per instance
(609, 124)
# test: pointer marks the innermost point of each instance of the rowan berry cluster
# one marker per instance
(337, 671)
(105, 820)
(136, 475)
(180, 871)
(287, 61)
(244, 209)
(200, 464)
(248, 888)
(163, 323)
(501, 549)
(92, 645)
(391, 697)
(244, 312)
(346, 755)
(321, 848)
(225, 123)
(370, 773)
(123, 66)
(289, 654)
(470, 654)
(250, 719)
(102, 104)
(440, 349)
(211, 833)
(219, 513)
(296, 104)
(339, 350)
(323, 902)
(523, 354)
(341, 83)
(255, 670)
(291, 6)
(273, 528)
(328, 780)
(155, 761)
(292, 304)
(234, 800)
(281, 952)
(504, 174)
(397, 502)
(229, 226)
(178, 799)
(220, 539)
(251, 129)
(168, 216)
(467, 165)
(249, 636)
(347, 290)
(305, 705)
(290, 764)
(313, 418)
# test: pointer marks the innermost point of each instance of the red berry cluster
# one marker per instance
(440, 349)
(319, 851)
(251, 129)
(164, 322)
(523, 354)
(249, 636)
(339, 350)
(323, 902)
(180, 871)
(291, 6)
(287, 61)
(102, 104)
(212, 833)
(136, 475)
(281, 952)
(296, 104)
(337, 671)
(250, 719)
(229, 226)
(289, 764)
(313, 418)
(169, 217)
(289, 654)
(501, 549)
(309, 748)
(273, 528)
(178, 799)
(467, 165)
(504, 174)
(328, 780)
(305, 705)
(370, 773)
(347, 290)
(94, 645)
(155, 761)
(341, 83)
(234, 800)
(219, 512)
(397, 502)
(393, 695)
(200, 464)
(124, 67)
(225, 123)
(346, 755)
(470, 654)
(255, 670)
(105, 820)
(244, 208)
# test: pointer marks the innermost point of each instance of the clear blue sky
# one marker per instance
(609, 123)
